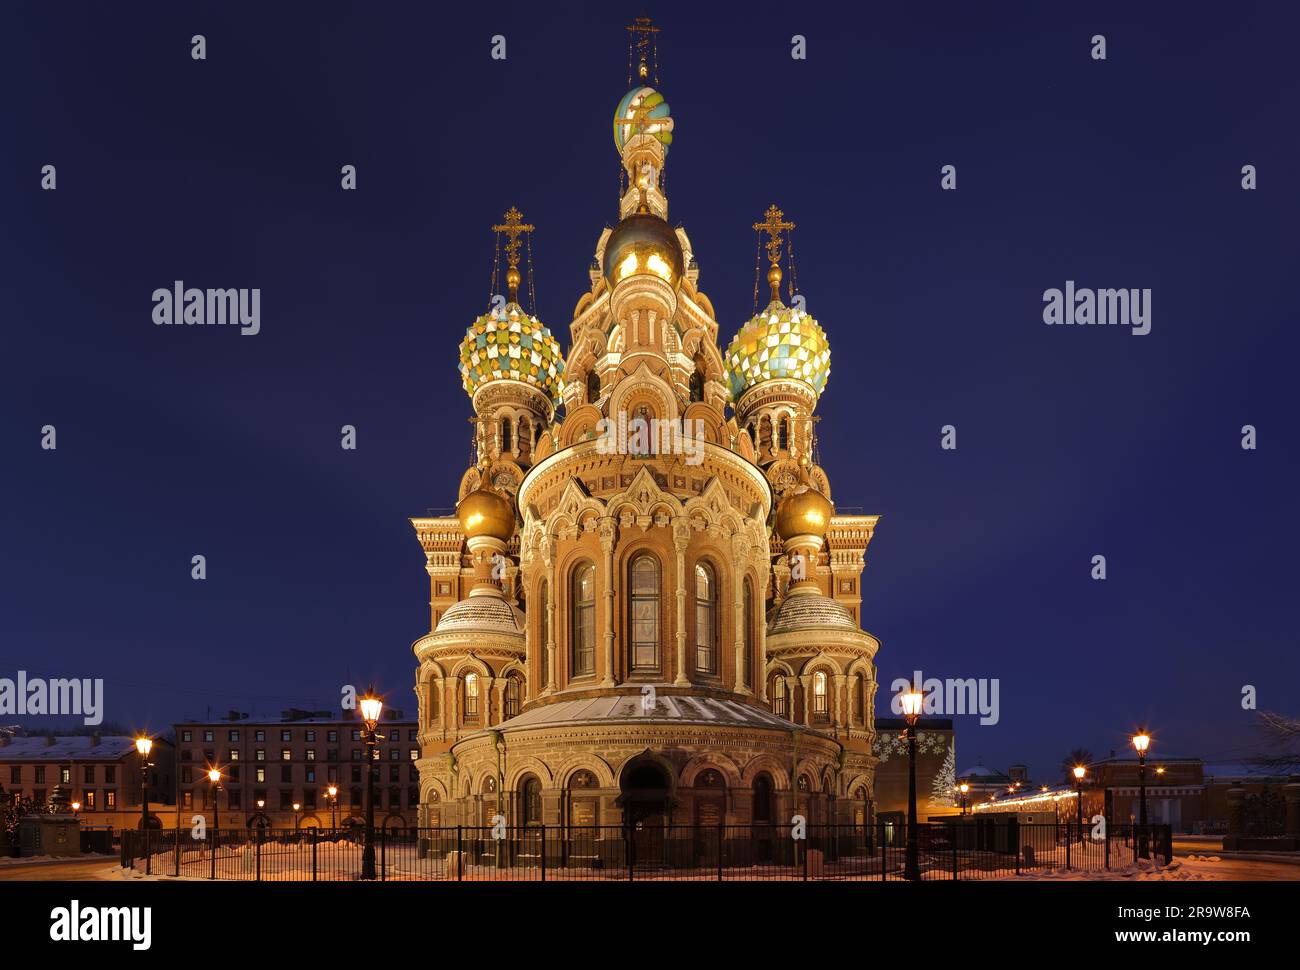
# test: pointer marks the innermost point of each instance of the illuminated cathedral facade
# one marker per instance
(633, 627)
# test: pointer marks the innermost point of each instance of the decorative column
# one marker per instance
(454, 682)
(853, 696)
(806, 681)
(840, 720)
(738, 583)
(607, 547)
(760, 595)
(681, 537)
(548, 551)
(441, 683)
(500, 684)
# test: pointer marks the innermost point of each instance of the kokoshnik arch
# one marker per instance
(638, 637)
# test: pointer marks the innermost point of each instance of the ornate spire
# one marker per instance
(774, 225)
(513, 227)
(641, 42)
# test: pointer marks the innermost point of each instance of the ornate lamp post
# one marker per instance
(1142, 741)
(143, 745)
(333, 792)
(964, 788)
(297, 818)
(214, 776)
(912, 702)
(76, 807)
(1079, 772)
(371, 708)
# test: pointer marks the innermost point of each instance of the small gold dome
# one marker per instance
(643, 244)
(805, 511)
(486, 512)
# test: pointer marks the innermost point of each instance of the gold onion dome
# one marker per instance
(486, 512)
(508, 344)
(643, 243)
(780, 342)
(803, 512)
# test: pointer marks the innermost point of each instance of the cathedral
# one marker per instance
(637, 628)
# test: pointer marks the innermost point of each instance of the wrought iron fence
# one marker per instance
(969, 848)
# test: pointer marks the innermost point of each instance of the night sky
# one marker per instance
(1072, 442)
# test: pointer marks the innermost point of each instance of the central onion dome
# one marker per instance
(803, 512)
(643, 244)
(510, 345)
(643, 111)
(778, 342)
(486, 512)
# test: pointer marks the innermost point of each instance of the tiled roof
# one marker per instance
(668, 709)
(811, 612)
(490, 614)
(71, 748)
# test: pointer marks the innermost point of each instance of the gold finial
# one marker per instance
(774, 225)
(513, 227)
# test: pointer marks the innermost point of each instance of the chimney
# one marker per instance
(94, 739)
(49, 740)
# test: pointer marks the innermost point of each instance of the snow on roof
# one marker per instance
(71, 748)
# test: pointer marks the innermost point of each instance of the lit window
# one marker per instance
(819, 694)
(471, 697)
(643, 613)
(706, 633)
(584, 620)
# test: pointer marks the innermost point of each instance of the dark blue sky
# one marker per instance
(1072, 441)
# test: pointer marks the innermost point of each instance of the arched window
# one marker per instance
(471, 698)
(697, 386)
(783, 435)
(762, 799)
(583, 620)
(747, 662)
(512, 698)
(706, 617)
(537, 435)
(544, 630)
(531, 799)
(780, 695)
(507, 437)
(860, 699)
(643, 612)
(821, 694)
(433, 704)
(593, 387)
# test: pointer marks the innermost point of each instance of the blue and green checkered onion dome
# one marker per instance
(643, 110)
(510, 344)
(779, 342)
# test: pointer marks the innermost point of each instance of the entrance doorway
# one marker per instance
(646, 802)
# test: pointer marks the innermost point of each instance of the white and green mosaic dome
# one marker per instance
(510, 345)
(778, 342)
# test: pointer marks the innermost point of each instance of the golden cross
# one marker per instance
(773, 225)
(513, 227)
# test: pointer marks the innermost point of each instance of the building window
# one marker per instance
(706, 619)
(259, 735)
(187, 799)
(232, 799)
(531, 796)
(259, 754)
(311, 754)
(471, 697)
(16, 775)
(110, 774)
(512, 696)
(187, 775)
(208, 735)
(584, 620)
(332, 736)
(311, 735)
(234, 754)
(393, 754)
(311, 774)
(187, 735)
(286, 754)
(110, 799)
(286, 735)
(356, 734)
(783, 435)
(261, 775)
(234, 736)
(643, 612)
(88, 774)
(748, 618)
(821, 705)
(65, 776)
(415, 753)
(593, 387)
(780, 697)
(89, 804)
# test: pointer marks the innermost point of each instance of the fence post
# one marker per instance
(627, 849)
(383, 855)
(1068, 840)
(953, 825)
(721, 836)
(884, 857)
(460, 855)
(259, 853)
(176, 846)
(313, 853)
(1013, 831)
(543, 852)
(212, 851)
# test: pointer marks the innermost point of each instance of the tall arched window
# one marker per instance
(544, 630)
(780, 695)
(512, 695)
(471, 697)
(531, 799)
(593, 387)
(821, 694)
(706, 619)
(583, 599)
(748, 618)
(697, 386)
(860, 699)
(783, 435)
(433, 702)
(507, 437)
(643, 612)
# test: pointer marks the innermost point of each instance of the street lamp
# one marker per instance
(912, 702)
(964, 788)
(144, 745)
(297, 819)
(76, 807)
(333, 792)
(1142, 741)
(214, 776)
(371, 708)
(1079, 772)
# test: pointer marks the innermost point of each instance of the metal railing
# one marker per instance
(958, 849)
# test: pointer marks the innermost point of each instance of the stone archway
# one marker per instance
(647, 803)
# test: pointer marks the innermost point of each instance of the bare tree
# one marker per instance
(1282, 734)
